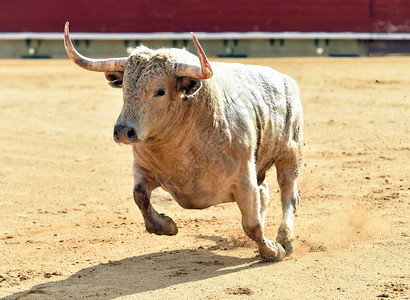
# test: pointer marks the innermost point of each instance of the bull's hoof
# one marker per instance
(164, 226)
(271, 251)
(286, 238)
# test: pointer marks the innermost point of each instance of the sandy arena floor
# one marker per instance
(69, 227)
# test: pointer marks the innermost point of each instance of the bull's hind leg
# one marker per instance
(253, 202)
(264, 202)
(154, 222)
(287, 171)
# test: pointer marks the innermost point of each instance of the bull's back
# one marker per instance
(269, 101)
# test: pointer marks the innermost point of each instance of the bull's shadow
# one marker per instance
(143, 273)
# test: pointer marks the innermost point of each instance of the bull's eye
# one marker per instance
(160, 93)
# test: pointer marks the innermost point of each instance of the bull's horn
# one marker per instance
(203, 72)
(98, 65)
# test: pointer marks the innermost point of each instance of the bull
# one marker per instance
(207, 133)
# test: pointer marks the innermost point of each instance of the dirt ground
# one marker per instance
(69, 228)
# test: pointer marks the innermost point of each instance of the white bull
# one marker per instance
(207, 134)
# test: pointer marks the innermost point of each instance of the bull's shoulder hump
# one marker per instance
(250, 73)
(242, 67)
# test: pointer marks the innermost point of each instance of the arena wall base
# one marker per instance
(38, 48)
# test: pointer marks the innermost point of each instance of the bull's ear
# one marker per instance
(188, 85)
(114, 79)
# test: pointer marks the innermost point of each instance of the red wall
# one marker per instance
(390, 15)
(205, 15)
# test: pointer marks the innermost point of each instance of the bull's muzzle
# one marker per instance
(124, 134)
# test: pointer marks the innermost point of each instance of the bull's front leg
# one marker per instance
(253, 201)
(154, 222)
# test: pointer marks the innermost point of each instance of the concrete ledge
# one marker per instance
(206, 36)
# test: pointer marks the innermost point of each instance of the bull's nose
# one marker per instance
(124, 134)
(131, 134)
(116, 135)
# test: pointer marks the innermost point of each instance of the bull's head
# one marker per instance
(153, 82)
